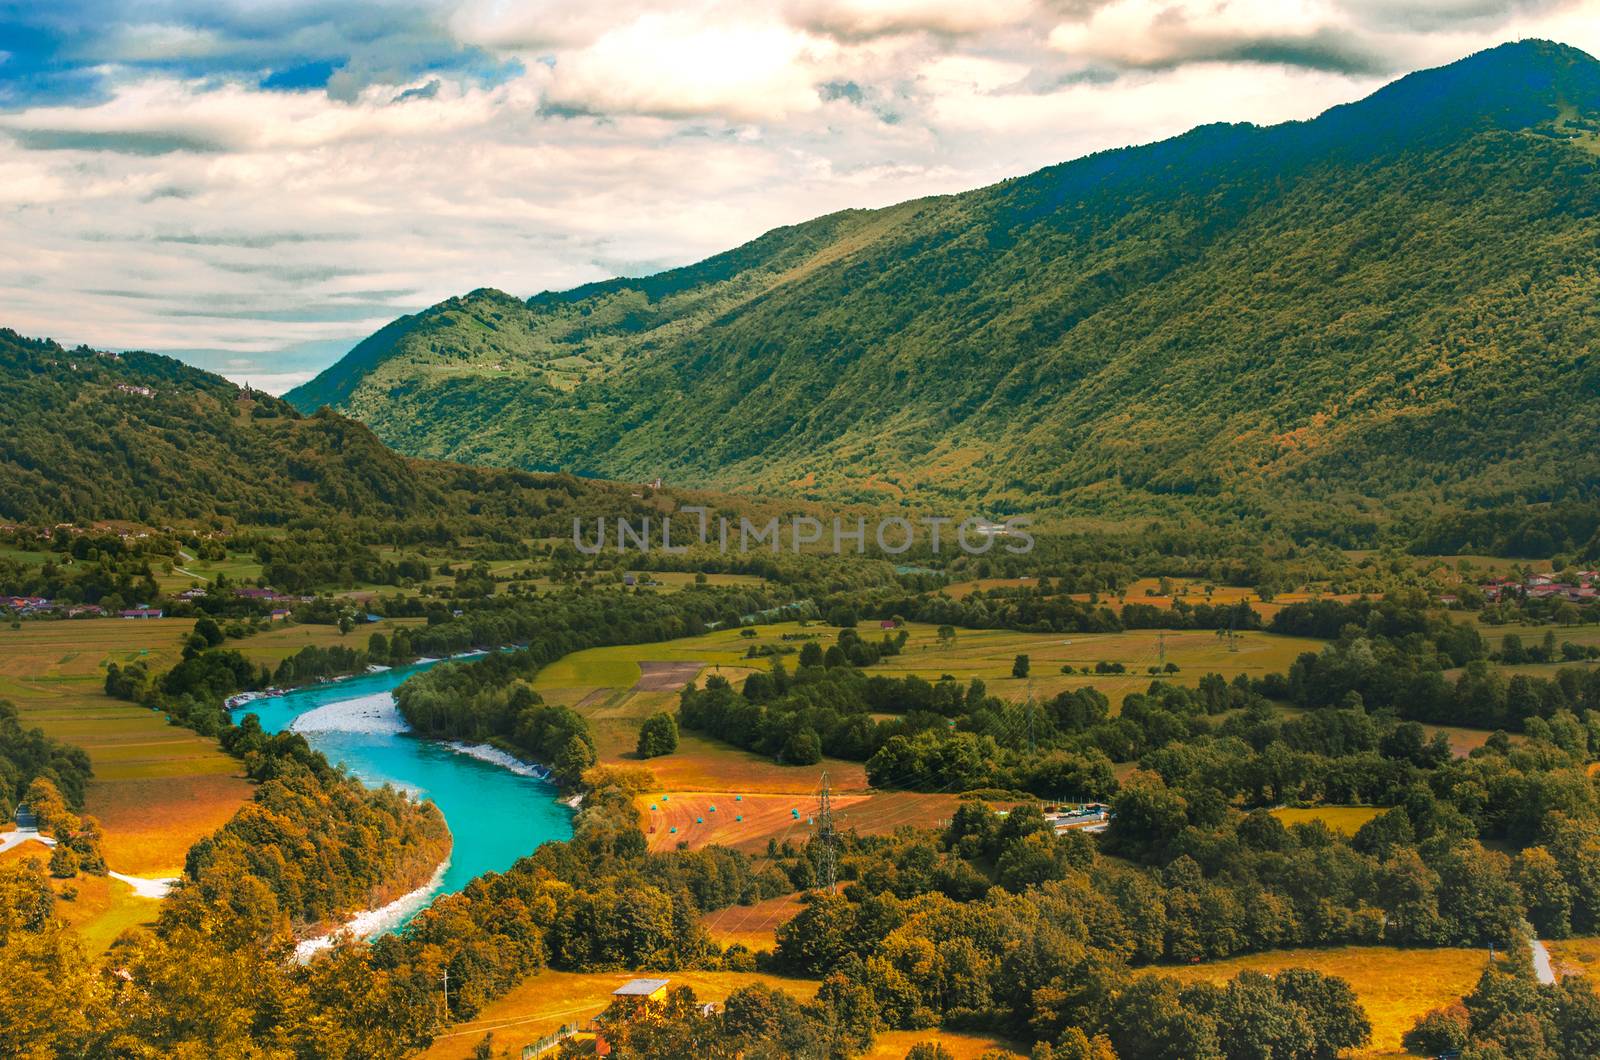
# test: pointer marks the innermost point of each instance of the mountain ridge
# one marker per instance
(137, 436)
(1029, 344)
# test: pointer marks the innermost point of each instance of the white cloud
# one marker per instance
(851, 19)
(536, 25)
(271, 382)
(961, 74)
(681, 66)
(169, 114)
(281, 227)
(1157, 33)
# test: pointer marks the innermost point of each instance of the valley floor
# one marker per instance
(157, 788)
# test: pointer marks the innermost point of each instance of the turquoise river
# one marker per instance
(497, 810)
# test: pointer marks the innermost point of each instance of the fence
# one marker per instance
(549, 1041)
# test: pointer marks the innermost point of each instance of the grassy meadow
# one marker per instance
(1394, 985)
(26, 557)
(1149, 591)
(99, 908)
(241, 568)
(157, 787)
(746, 821)
(616, 688)
(751, 926)
(544, 1002)
(988, 654)
(1345, 820)
(604, 680)
(1576, 956)
(284, 639)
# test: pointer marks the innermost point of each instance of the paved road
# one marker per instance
(17, 838)
(146, 888)
(1541, 963)
(142, 886)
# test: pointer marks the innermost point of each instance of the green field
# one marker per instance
(1346, 820)
(25, 557)
(549, 999)
(988, 654)
(603, 685)
(601, 682)
(284, 639)
(240, 568)
(611, 687)
(157, 788)
(1576, 956)
(618, 667)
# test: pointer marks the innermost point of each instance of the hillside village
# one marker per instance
(1583, 587)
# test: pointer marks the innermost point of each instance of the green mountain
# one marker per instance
(141, 437)
(1387, 309)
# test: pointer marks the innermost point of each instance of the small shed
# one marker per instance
(652, 990)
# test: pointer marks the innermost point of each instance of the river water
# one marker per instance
(497, 811)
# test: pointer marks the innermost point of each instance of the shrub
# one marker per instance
(1442, 1031)
(658, 735)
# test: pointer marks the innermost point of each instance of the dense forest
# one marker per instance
(1384, 309)
(145, 438)
(28, 755)
(348, 847)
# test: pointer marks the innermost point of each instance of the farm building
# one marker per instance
(650, 990)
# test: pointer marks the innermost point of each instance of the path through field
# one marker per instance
(1541, 963)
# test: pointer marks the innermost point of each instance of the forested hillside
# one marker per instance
(1388, 308)
(137, 436)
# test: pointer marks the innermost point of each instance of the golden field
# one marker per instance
(1394, 985)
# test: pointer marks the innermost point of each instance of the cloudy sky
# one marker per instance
(254, 186)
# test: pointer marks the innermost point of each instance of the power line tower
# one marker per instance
(1161, 645)
(1233, 635)
(826, 835)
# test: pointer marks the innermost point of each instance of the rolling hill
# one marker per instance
(140, 437)
(1386, 310)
